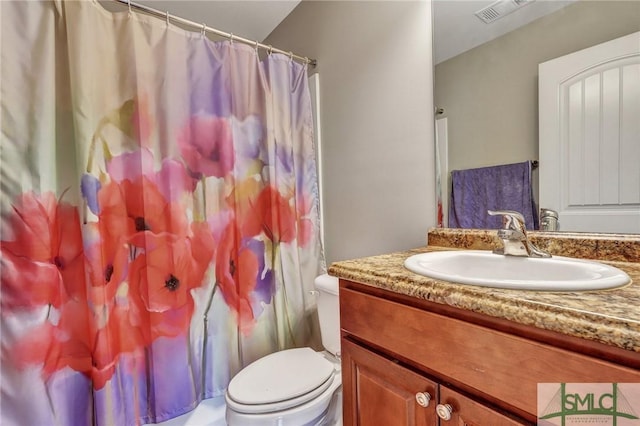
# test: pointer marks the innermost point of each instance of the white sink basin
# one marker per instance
(487, 269)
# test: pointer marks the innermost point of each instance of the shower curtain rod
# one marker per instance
(204, 27)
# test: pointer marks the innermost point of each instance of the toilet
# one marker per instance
(294, 387)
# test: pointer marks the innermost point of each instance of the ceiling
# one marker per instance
(456, 28)
(251, 19)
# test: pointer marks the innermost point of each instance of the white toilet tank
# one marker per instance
(329, 312)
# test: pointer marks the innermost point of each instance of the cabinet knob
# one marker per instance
(423, 398)
(444, 411)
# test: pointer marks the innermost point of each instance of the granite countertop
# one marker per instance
(611, 317)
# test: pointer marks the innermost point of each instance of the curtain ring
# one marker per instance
(167, 12)
(270, 50)
(290, 56)
(257, 46)
(129, 4)
(204, 29)
(231, 37)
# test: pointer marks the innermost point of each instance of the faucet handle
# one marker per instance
(511, 219)
(514, 236)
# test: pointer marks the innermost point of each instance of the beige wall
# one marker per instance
(376, 79)
(490, 93)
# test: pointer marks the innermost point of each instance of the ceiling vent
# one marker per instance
(500, 8)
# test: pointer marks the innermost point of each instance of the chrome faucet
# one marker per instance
(514, 236)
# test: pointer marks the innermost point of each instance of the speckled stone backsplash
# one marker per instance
(613, 247)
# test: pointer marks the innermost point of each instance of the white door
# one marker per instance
(589, 112)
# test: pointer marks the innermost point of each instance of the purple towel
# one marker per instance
(506, 187)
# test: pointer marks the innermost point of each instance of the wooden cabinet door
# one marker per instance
(467, 412)
(378, 391)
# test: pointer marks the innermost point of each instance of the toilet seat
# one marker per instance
(280, 381)
(310, 413)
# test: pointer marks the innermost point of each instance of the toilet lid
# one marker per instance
(280, 376)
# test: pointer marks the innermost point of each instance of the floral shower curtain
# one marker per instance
(159, 214)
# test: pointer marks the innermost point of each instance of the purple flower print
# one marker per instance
(172, 179)
(206, 145)
(250, 148)
(131, 165)
(264, 289)
(90, 185)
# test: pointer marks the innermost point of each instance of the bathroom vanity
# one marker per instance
(416, 350)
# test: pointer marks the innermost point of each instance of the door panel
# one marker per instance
(590, 137)
(467, 412)
(378, 391)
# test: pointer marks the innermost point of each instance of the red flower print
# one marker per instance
(42, 257)
(237, 270)
(206, 145)
(203, 246)
(148, 210)
(107, 249)
(304, 207)
(101, 375)
(118, 336)
(114, 218)
(273, 214)
(163, 276)
(135, 206)
(171, 323)
(107, 263)
(67, 344)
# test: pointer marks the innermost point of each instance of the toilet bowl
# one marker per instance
(293, 387)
